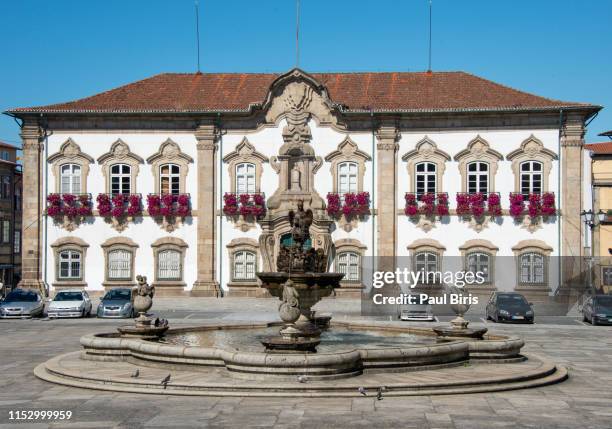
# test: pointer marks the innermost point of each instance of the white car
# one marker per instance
(417, 313)
(70, 303)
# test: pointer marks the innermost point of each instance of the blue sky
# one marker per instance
(61, 50)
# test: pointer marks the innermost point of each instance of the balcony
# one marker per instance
(533, 204)
(119, 205)
(169, 205)
(478, 204)
(69, 205)
(349, 205)
(428, 204)
(251, 206)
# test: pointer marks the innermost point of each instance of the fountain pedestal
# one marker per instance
(298, 293)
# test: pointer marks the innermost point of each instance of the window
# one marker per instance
(120, 265)
(347, 177)
(170, 179)
(425, 178)
(244, 265)
(531, 177)
(169, 265)
(5, 155)
(6, 231)
(245, 178)
(69, 265)
(427, 262)
(70, 179)
(6, 187)
(478, 177)
(17, 243)
(606, 274)
(348, 264)
(478, 262)
(120, 179)
(531, 268)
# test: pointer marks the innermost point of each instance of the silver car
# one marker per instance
(417, 313)
(70, 303)
(116, 303)
(21, 303)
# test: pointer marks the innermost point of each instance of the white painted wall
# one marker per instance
(267, 141)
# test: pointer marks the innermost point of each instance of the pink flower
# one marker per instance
(54, 199)
(167, 200)
(54, 211)
(165, 211)
(183, 210)
(85, 211)
(442, 210)
(183, 199)
(516, 210)
(230, 210)
(154, 210)
(117, 211)
(69, 199)
(411, 210)
(410, 198)
(259, 199)
(477, 211)
(244, 199)
(493, 199)
(245, 210)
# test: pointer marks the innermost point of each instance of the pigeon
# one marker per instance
(156, 323)
(379, 395)
(136, 374)
(302, 378)
(362, 391)
(165, 381)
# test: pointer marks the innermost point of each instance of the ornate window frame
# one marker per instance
(70, 153)
(532, 246)
(348, 151)
(478, 150)
(170, 153)
(117, 243)
(69, 243)
(426, 150)
(245, 152)
(350, 245)
(426, 245)
(169, 243)
(239, 245)
(480, 246)
(120, 153)
(532, 149)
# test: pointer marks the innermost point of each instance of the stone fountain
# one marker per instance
(459, 326)
(142, 301)
(301, 280)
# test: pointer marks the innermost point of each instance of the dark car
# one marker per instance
(509, 307)
(116, 303)
(598, 310)
(22, 303)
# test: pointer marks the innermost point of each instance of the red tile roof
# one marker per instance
(222, 92)
(603, 148)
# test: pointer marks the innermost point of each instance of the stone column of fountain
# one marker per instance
(142, 301)
(459, 326)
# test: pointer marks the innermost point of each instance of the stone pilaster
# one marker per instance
(33, 206)
(572, 239)
(386, 195)
(206, 283)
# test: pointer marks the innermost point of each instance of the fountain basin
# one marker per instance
(421, 350)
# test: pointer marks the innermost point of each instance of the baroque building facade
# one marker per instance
(189, 179)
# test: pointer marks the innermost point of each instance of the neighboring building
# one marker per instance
(601, 179)
(220, 141)
(10, 216)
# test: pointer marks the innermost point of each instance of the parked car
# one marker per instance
(417, 313)
(598, 310)
(509, 307)
(22, 303)
(70, 303)
(116, 303)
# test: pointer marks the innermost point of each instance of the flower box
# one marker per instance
(478, 205)
(119, 206)
(169, 205)
(350, 205)
(533, 204)
(69, 205)
(245, 205)
(428, 204)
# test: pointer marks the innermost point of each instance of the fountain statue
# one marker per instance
(142, 301)
(459, 326)
(300, 282)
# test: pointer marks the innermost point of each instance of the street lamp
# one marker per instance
(591, 220)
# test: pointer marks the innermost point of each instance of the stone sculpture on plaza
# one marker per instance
(142, 300)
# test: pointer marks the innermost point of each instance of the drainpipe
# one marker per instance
(220, 205)
(46, 230)
(559, 198)
(373, 186)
